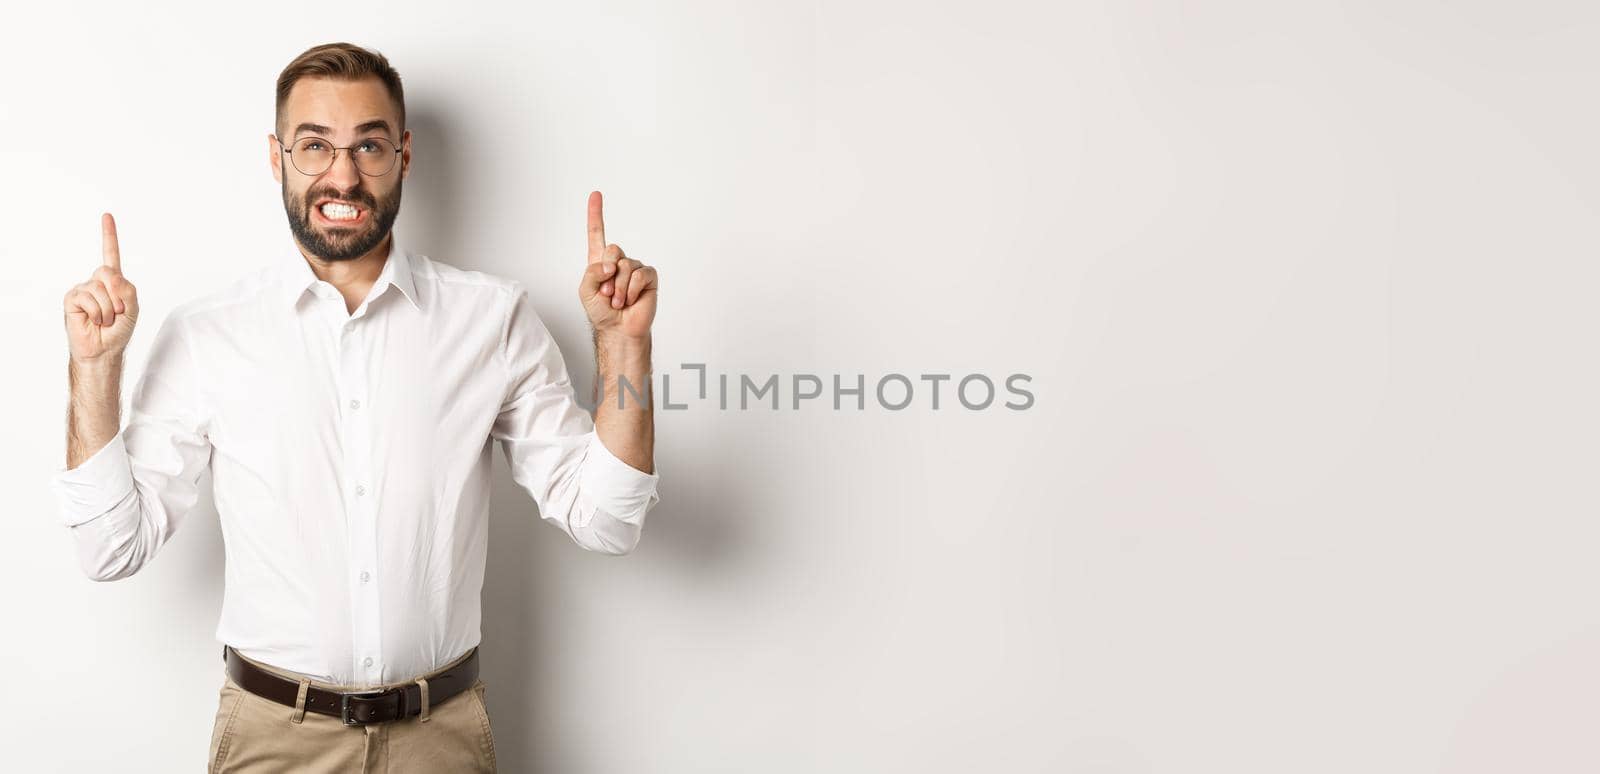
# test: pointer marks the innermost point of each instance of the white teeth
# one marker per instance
(337, 211)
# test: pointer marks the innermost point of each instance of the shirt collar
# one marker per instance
(297, 277)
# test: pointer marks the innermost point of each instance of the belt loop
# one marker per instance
(423, 683)
(299, 714)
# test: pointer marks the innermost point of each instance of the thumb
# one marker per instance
(130, 300)
(123, 290)
(593, 275)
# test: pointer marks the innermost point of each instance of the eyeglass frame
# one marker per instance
(285, 149)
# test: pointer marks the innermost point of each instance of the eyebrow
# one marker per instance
(377, 123)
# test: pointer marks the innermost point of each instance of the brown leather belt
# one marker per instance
(356, 707)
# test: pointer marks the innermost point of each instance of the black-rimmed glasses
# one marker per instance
(312, 156)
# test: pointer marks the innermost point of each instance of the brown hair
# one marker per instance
(344, 61)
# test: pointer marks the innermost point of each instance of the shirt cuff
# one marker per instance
(616, 487)
(96, 486)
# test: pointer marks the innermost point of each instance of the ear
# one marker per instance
(405, 154)
(276, 160)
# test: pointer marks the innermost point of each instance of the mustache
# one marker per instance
(362, 199)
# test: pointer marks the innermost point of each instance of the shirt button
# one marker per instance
(364, 576)
(367, 661)
(360, 490)
(355, 404)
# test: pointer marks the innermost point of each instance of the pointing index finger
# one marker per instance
(108, 241)
(597, 228)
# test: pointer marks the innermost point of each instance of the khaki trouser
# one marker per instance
(254, 735)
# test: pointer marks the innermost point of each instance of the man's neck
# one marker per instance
(353, 277)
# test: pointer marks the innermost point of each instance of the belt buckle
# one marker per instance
(344, 705)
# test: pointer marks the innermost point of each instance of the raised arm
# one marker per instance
(593, 477)
(619, 296)
(100, 314)
(124, 491)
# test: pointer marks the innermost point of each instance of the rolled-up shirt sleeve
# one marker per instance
(127, 499)
(552, 448)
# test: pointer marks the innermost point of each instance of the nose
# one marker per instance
(343, 174)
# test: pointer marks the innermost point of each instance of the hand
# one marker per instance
(618, 292)
(100, 312)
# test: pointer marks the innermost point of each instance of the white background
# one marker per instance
(1306, 291)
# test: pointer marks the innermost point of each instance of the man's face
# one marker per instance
(343, 114)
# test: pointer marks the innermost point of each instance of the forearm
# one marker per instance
(624, 416)
(94, 409)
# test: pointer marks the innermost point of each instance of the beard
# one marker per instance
(341, 243)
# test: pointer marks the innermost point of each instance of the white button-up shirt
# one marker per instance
(350, 458)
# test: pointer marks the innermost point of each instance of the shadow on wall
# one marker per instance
(691, 532)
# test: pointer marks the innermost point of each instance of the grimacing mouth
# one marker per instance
(361, 209)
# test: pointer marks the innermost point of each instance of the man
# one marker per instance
(346, 398)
